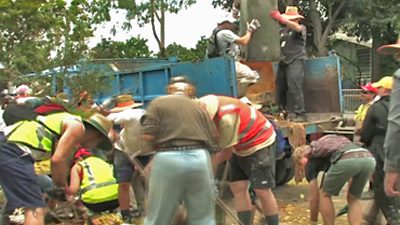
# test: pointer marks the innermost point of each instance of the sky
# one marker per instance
(184, 28)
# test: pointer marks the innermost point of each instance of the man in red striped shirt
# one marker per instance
(245, 132)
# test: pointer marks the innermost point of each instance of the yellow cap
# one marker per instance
(385, 82)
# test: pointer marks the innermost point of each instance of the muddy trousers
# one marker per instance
(290, 84)
(389, 206)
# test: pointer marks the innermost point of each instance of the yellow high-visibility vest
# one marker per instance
(39, 135)
(98, 184)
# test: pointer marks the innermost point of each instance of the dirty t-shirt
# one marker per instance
(130, 139)
(293, 44)
(177, 117)
(226, 43)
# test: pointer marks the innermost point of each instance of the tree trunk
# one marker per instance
(375, 57)
(162, 30)
(315, 17)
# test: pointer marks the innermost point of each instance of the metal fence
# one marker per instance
(351, 100)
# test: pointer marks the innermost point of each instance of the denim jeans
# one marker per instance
(181, 176)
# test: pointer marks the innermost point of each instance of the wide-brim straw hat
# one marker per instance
(292, 13)
(211, 104)
(124, 102)
(390, 49)
(103, 125)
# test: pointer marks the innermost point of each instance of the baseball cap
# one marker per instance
(385, 82)
(226, 19)
(370, 88)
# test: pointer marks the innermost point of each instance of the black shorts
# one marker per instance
(18, 178)
(258, 168)
(103, 206)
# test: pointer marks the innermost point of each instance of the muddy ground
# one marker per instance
(293, 205)
(292, 201)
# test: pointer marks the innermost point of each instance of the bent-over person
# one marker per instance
(343, 161)
(182, 135)
(54, 136)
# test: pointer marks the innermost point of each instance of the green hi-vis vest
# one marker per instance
(40, 134)
(98, 184)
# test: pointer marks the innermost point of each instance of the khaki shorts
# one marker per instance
(357, 169)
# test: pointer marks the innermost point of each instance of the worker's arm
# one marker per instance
(220, 157)
(288, 23)
(313, 200)
(244, 40)
(251, 28)
(75, 181)
(368, 127)
(294, 26)
(72, 132)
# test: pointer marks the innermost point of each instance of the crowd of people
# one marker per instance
(181, 134)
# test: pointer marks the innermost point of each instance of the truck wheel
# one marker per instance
(280, 171)
(288, 176)
(284, 171)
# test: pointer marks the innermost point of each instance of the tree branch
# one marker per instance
(332, 19)
(316, 22)
(153, 27)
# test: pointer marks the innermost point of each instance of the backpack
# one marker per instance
(29, 110)
(212, 44)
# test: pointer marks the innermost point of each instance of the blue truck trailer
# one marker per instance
(147, 79)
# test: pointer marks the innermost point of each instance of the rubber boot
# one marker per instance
(245, 217)
(271, 220)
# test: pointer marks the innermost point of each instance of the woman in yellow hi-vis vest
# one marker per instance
(93, 179)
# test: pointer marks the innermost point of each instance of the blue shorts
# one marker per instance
(123, 168)
(18, 178)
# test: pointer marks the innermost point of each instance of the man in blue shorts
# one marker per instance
(126, 116)
(53, 136)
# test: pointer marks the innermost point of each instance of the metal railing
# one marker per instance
(351, 100)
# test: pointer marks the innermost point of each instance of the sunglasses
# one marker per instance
(367, 92)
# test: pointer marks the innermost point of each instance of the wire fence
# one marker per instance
(351, 100)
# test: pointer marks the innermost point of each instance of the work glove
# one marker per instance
(253, 25)
(275, 14)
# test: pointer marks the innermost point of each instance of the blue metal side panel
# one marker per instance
(144, 84)
(322, 85)
(149, 80)
(210, 76)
